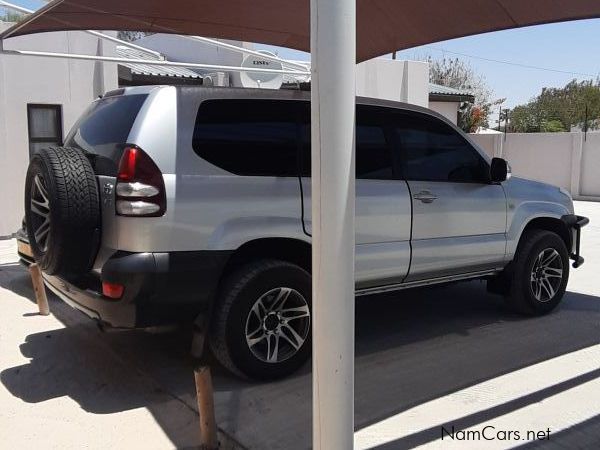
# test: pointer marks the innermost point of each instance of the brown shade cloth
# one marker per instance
(382, 25)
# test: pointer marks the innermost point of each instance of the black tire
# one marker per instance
(521, 291)
(239, 293)
(69, 246)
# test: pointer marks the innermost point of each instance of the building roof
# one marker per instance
(145, 69)
(439, 93)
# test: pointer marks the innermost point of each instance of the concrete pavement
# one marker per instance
(443, 356)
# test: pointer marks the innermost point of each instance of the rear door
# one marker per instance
(459, 217)
(382, 201)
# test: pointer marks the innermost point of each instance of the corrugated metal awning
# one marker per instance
(145, 69)
(439, 93)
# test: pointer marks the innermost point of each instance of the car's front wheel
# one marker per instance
(262, 320)
(540, 272)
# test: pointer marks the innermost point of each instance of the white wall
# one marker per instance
(589, 183)
(389, 79)
(563, 159)
(28, 79)
(447, 109)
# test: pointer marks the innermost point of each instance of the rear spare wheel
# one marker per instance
(62, 211)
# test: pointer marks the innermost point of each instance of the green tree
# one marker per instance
(10, 16)
(131, 36)
(459, 74)
(552, 126)
(560, 109)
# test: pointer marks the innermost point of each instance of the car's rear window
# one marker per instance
(103, 129)
(251, 137)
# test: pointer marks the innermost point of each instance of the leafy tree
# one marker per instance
(560, 109)
(459, 74)
(131, 36)
(552, 126)
(10, 16)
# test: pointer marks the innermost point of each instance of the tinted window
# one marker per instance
(428, 149)
(103, 129)
(373, 156)
(249, 137)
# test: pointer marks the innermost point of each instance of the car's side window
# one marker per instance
(249, 137)
(373, 153)
(255, 137)
(427, 149)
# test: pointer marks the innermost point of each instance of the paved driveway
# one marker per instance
(442, 356)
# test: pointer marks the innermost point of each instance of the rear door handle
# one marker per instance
(425, 197)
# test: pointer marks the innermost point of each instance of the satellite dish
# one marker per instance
(261, 79)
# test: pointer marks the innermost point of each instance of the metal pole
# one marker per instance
(333, 56)
(118, 41)
(585, 124)
(92, 32)
(246, 51)
(149, 62)
(205, 40)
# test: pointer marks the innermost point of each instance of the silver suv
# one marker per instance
(172, 204)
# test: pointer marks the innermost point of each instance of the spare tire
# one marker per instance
(62, 211)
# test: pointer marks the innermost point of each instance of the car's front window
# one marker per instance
(430, 150)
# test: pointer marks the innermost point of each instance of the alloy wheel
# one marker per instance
(277, 325)
(546, 275)
(40, 207)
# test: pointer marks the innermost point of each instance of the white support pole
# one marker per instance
(333, 56)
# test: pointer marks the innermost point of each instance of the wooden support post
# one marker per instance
(39, 289)
(198, 337)
(206, 408)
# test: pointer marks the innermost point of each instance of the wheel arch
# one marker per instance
(552, 224)
(295, 251)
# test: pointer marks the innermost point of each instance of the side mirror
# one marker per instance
(499, 170)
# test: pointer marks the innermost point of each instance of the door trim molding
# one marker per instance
(418, 283)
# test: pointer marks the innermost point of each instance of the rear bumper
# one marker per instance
(159, 288)
(575, 224)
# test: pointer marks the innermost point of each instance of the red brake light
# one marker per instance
(127, 164)
(112, 290)
(140, 188)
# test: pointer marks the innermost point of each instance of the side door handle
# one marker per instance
(425, 197)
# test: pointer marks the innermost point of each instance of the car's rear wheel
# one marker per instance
(262, 322)
(540, 272)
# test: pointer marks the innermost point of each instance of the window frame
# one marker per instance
(59, 125)
(397, 157)
(389, 116)
(384, 111)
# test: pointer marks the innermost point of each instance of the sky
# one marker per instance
(565, 50)
(561, 52)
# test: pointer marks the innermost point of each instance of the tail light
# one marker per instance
(112, 290)
(140, 186)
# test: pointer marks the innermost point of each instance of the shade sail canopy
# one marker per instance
(382, 25)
